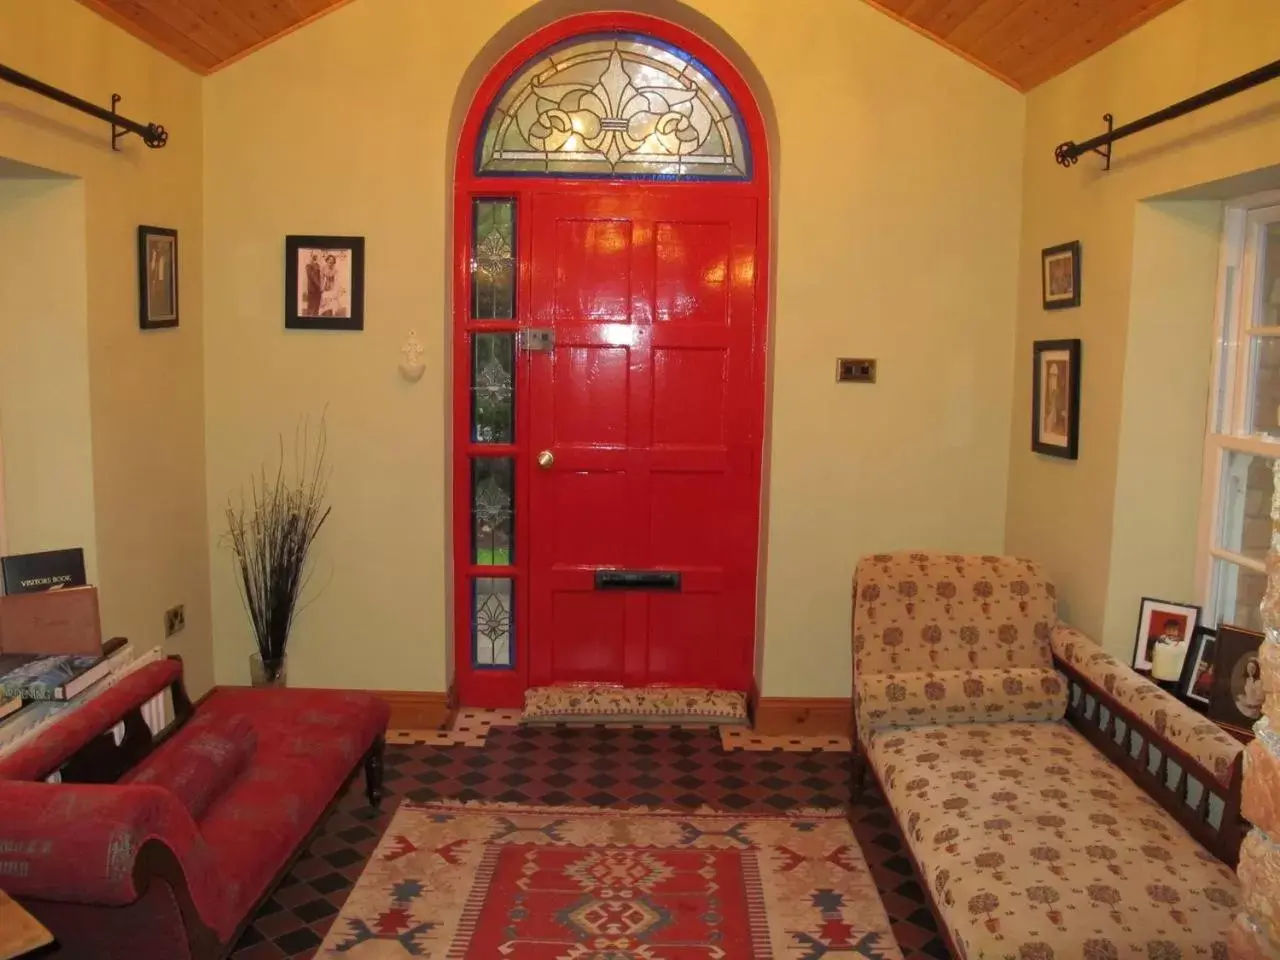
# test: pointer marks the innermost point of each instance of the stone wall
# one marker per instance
(1256, 933)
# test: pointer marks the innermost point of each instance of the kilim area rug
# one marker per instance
(497, 881)
(662, 706)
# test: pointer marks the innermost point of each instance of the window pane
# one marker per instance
(493, 263)
(493, 361)
(492, 496)
(615, 105)
(491, 622)
(1265, 385)
(1237, 595)
(1268, 306)
(1218, 414)
(1244, 525)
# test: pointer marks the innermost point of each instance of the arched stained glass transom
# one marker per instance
(615, 105)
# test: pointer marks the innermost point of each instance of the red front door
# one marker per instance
(645, 426)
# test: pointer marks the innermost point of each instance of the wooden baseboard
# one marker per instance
(416, 710)
(814, 716)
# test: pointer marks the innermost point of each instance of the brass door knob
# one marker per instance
(546, 459)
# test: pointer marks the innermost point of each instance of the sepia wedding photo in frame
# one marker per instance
(1055, 398)
(324, 283)
(157, 278)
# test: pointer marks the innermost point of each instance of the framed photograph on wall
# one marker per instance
(1164, 636)
(324, 283)
(157, 278)
(1055, 398)
(1196, 682)
(1060, 275)
(1236, 696)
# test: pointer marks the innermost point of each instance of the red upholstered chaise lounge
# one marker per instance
(164, 846)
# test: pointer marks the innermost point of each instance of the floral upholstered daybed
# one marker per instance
(1056, 804)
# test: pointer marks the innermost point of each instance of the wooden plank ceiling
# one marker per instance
(1023, 42)
(209, 34)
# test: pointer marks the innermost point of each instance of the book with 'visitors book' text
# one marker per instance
(48, 570)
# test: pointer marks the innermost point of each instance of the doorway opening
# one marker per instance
(610, 310)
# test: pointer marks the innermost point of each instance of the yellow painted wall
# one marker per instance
(1079, 518)
(46, 447)
(897, 210)
(145, 390)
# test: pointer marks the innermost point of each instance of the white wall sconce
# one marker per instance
(411, 365)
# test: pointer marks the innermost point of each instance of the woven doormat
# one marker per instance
(661, 706)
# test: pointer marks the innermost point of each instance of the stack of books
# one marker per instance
(51, 653)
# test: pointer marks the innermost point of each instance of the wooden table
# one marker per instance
(20, 933)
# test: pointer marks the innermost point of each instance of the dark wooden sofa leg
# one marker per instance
(373, 772)
(858, 779)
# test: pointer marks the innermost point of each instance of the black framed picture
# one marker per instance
(1196, 682)
(157, 278)
(1055, 398)
(1235, 697)
(324, 283)
(1060, 275)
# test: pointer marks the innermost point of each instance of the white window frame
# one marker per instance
(1239, 298)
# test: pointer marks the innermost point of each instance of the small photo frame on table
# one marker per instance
(1236, 695)
(1060, 275)
(1196, 682)
(324, 283)
(1165, 631)
(157, 278)
(1055, 398)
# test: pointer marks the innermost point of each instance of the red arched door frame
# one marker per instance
(488, 686)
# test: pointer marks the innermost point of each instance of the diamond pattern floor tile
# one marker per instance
(609, 767)
(743, 738)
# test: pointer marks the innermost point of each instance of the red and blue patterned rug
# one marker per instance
(527, 882)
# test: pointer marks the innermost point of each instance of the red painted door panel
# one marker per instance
(649, 406)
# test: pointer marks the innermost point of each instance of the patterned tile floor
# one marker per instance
(600, 766)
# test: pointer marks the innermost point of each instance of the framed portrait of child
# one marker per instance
(1236, 696)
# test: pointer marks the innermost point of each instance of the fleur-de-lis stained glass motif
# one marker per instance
(493, 262)
(491, 622)
(615, 106)
(492, 498)
(493, 387)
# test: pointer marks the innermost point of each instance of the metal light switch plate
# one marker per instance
(855, 370)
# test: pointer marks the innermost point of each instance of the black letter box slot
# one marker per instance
(637, 580)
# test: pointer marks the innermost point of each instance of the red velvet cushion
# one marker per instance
(308, 742)
(207, 764)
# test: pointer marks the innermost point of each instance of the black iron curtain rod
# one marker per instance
(152, 134)
(1068, 153)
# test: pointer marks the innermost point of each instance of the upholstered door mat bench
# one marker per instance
(660, 706)
(1055, 803)
(164, 845)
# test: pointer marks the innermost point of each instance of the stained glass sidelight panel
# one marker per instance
(615, 105)
(493, 362)
(493, 262)
(492, 513)
(491, 622)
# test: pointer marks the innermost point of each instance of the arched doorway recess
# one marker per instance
(611, 203)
